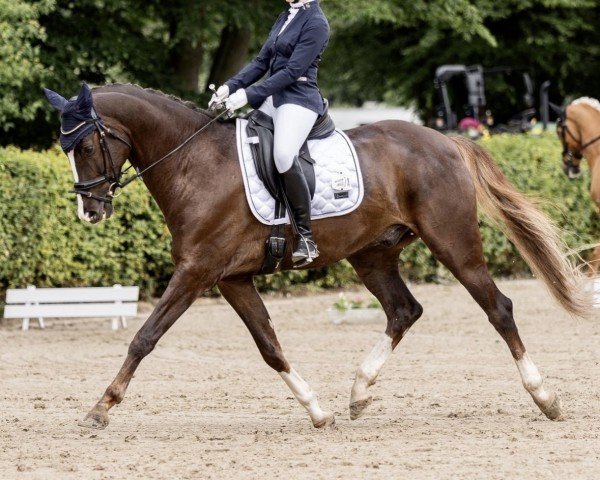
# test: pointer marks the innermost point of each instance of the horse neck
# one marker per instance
(593, 159)
(595, 182)
(587, 121)
(155, 130)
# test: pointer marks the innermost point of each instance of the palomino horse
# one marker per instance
(418, 184)
(579, 133)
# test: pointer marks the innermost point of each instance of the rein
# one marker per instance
(112, 177)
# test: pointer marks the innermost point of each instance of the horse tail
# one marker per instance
(534, 234)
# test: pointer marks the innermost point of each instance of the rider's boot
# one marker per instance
(296, 190)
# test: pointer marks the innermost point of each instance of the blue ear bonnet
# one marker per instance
(78, 116)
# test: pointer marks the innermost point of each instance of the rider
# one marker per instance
(291, 97)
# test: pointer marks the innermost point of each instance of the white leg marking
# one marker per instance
(369, 369)
(82, 216)
(306, 397)
(532, 380)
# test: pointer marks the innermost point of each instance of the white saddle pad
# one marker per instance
(339, 183)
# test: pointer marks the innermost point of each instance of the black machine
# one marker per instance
(461, 90)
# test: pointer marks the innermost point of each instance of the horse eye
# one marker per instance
(88, 149)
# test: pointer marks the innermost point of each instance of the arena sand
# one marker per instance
(449, 404)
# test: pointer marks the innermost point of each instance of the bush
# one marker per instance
(43, 243)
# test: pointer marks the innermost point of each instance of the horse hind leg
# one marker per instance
(452, 234)
(246, 301)
(378, 269)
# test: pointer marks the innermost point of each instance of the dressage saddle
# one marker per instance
(260, 137)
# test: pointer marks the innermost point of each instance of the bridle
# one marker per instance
(111, 174)
(569, 156)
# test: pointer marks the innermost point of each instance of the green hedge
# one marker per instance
(43, 243)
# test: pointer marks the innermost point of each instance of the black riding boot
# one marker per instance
(296, 190)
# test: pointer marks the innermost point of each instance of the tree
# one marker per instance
(394, 56)
(230, 55)
(165, 45)
(379, 50)
(21, 69)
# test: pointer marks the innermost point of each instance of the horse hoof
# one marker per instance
(553, 410)
(328, 421)
(358, 408)
(96, 419)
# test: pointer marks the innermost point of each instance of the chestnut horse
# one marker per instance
(418, 184)
(579, 132)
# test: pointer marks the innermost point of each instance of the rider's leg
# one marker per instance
(293, 123)
(292, 126)
(268, 108)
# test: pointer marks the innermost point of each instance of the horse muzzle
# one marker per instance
(95, 211)
(572, 172)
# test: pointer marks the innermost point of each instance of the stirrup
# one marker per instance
(300, 258)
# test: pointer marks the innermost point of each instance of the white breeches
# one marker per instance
(292, 123)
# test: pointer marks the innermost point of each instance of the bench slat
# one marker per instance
(83, 310)
(67, 295)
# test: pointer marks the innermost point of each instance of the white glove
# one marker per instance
(236, 100)
(219, 97)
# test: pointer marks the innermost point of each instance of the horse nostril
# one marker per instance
(93, 216)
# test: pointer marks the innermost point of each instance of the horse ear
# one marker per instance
(560, 111)
(84, 100)
(56, 100)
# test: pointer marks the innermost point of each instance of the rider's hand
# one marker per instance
(219, 97)
(237, 100)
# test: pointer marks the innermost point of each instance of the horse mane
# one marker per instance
(589, 101)
(159, 93)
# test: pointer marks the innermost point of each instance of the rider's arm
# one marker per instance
(255, 70)
(310, 44)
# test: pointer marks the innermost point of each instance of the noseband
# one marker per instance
(569, 155)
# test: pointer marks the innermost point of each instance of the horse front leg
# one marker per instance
(183, 288)
(243, 297)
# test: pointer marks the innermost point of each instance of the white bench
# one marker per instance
(593, 287)
(114, 302)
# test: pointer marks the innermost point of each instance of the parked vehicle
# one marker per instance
(464, 106)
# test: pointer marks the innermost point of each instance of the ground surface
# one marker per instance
(449, 404)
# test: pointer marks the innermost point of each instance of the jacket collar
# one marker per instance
(300, 4)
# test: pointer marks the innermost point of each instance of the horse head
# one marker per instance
(571, 156)
(579, 134)
(96, 153)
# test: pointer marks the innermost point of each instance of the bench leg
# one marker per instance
(115, 323)
(41, 323)
(25, 325)
(123, 322)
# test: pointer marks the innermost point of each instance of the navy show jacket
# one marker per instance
(292, 61)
